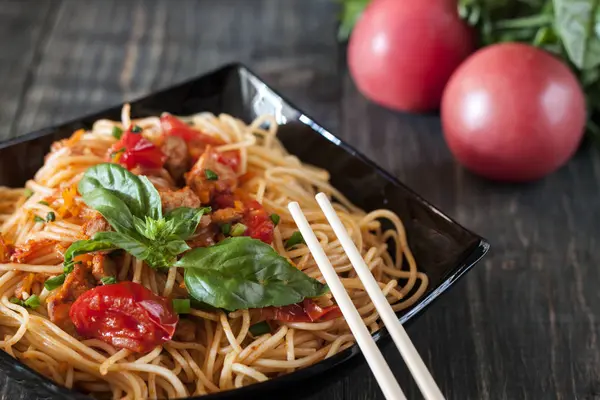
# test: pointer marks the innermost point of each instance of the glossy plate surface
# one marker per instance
(444, 250)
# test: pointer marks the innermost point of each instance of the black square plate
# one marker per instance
(444, 250)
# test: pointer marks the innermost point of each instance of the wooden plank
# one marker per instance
(22, 28)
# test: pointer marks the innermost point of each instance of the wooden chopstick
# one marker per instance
(411, 357)
(383, 374)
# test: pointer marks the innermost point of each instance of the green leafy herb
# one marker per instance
(44, 203)
(117, 132)
(136, 129)
(211, 175)
(238, 229)
(50, 217)
(39, 219)
(182, 306)
(242, 273)
(351, 12)
(108, 280)
(226, 229)
(260, 328)
(295, 239)
(55, 282)
(27, 193)
(32, 301)
(275, 218)
(132, 207)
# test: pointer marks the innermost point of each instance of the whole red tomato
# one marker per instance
(402, 52)
(513, 112)
(126, 315)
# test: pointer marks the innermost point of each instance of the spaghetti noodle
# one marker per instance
(211, 350)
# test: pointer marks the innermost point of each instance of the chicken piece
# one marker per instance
(185, 331)
(224, 178)
(172, 199)
(227, 215)
(59, 303)
(102, 266)
(6, 250)
(96, 224)
(204, 236)
(178, 158)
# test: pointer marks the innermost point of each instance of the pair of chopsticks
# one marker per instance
(386, 380)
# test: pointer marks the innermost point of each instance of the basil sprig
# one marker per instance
(241, 273)
(132, 206)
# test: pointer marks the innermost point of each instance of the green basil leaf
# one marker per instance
(260, 328)
(153, 202)
(83, 247)
(182, 306)
(183, 221)
(176, 247)
(576, 22)
(54, 282)
(137, 193)
(112, 208)
(133, 245)
(242, 273)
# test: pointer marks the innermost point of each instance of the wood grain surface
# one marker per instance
(524, 324)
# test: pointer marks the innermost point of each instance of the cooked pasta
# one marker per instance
(59, 245)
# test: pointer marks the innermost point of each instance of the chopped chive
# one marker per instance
(226, 229)
(295, 239)
(260, 328)
(50, 216)
(136, 129)
(27, 193)
(275, 218)
(238, 229)
(32, 302)
(14, 300)
(54, 282)
(210, 175)
(117, 132)
(39, 219)
(44, 203)
(68, 268)
(108, 280)
(182, 306)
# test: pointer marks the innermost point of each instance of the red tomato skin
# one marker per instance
(258, 222)
(125, 315)
(402, 52)
(133, 149)
(513, 112)
(306, 311)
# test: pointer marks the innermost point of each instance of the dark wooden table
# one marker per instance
(524, 324)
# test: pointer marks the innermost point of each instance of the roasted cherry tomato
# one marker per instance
(307, 311)
(258, 222)
(197, 141)
(125, 315)
(133, 150)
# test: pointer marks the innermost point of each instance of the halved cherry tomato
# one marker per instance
(133, 150)
(197, 141)
(307, 311)
(125, 315)
(258, 222)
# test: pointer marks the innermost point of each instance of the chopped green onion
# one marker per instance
(238, 229)
(210, 175)
(136, 129)
(14, 300)
(55, 282)
(182, 306)
(27, 193)
(260, 328)
(50, 217)
(39, 219)
(32, 301)
(295, 239)
(226, 229)
(117, 132)
(114, 154)
(108, 280)
(68, 268)
(275, 218)
(44, 203)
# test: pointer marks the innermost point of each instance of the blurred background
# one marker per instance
(524, 324)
